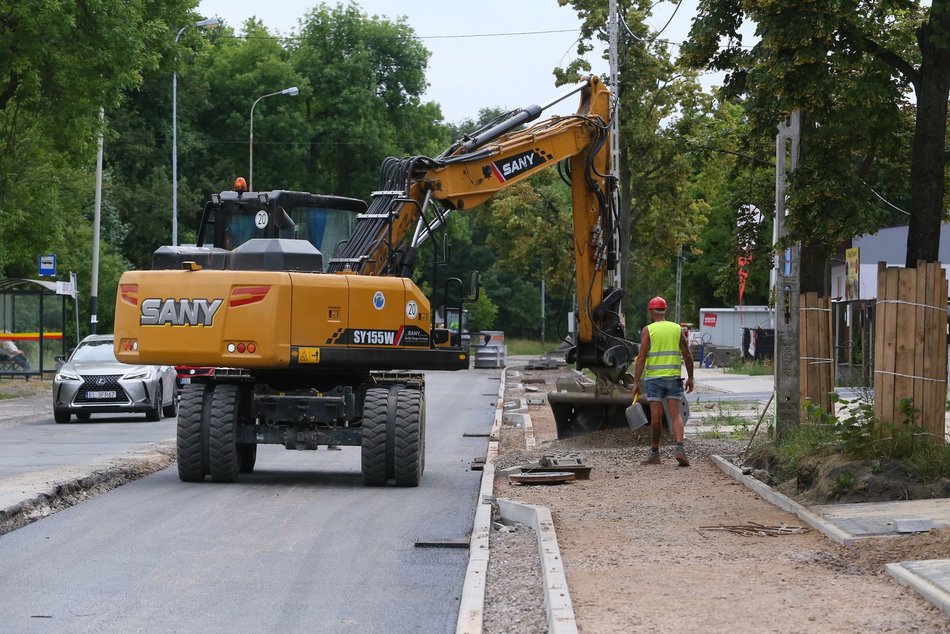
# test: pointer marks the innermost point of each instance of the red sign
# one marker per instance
(709, 319)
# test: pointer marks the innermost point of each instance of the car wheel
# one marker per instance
(61, 416)
(155, 413)
(171, 410)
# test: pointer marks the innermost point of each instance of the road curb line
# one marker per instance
(785, 503)
(924, 587)
(557, 596)
(75, 490)
(472, 604)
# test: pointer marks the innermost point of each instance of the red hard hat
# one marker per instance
(657, 303)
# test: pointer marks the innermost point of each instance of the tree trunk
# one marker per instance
(930, 133)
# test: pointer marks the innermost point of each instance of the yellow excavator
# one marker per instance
(312, 351)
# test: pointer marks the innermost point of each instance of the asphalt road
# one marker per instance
(299, 545)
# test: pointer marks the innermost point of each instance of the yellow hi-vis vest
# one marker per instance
(663, 359)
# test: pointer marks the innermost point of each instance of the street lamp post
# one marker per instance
(292, 91)
(210, 23)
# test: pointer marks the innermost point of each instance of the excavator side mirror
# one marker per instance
(474, 287)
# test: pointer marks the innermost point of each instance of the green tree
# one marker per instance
(368, 76)
(847, 66)
(655, 199)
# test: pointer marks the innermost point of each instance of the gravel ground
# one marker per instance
(642, 552)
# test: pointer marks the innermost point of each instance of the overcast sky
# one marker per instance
(469, 73)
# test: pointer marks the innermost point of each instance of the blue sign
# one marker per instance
(48, 265)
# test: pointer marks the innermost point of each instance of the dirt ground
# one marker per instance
(639, 555)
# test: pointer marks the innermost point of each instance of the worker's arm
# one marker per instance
(642, 358)
(688, 360)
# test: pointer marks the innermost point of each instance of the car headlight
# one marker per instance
(144, 375)
(65, 375)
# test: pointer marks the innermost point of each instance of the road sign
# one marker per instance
(47, 265)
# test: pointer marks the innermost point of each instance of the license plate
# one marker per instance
(101, 394)
(185, 380)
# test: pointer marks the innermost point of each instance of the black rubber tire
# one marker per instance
(247, 456)
(373, 440)
(190, 463)
(83, 415)
(222, 441)
(171, 410)
(154, 414)
(408, 450)
(61, 416)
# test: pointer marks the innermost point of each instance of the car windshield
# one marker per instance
(92, 351)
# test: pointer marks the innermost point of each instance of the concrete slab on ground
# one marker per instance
(886, 518)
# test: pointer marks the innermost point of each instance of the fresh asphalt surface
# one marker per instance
(299, 545)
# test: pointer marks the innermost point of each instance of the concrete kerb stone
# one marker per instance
(909, 574)
(557, 596)
(786, 503)
(472, 604)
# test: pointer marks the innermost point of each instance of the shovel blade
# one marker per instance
(636, 416)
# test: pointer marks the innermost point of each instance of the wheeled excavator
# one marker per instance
(312, 351)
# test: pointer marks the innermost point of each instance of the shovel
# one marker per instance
(636, 417)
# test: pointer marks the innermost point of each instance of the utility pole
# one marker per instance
(679, 284)
(788, 403)
(542, 310)
(94, 284)
(614, 276)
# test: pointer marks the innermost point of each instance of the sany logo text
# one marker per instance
(179, 312)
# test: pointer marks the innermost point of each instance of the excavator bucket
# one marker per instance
(582, 408)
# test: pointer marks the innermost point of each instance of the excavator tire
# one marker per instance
(190, 467)
(222, 440)
(375, 422)
(408, 450)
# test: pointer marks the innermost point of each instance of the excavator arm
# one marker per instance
(418, 193)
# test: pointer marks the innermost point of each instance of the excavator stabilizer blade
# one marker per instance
(579, 409)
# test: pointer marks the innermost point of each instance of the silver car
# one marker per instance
(93, 381)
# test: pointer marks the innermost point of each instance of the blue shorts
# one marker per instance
(663, 388)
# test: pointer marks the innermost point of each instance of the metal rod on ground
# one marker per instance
(761, 418)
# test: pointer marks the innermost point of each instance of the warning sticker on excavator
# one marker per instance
(308, 355)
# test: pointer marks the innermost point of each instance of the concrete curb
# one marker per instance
(786, 503)
(908, 574)
(472, 604)
(557, 596)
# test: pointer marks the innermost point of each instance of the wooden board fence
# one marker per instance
(817, 363)
(910, 345)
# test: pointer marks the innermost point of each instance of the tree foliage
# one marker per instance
(847, 67)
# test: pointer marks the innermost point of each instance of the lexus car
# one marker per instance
(93, 381)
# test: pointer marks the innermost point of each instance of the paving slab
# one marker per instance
(929, 578)
(869, 519)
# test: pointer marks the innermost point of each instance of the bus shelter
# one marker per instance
(33, 322)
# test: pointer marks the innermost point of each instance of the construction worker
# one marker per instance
(662, 343)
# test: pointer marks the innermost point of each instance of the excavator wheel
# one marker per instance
(223, 456)
(192, 415)
(409, 449)
(375, 423)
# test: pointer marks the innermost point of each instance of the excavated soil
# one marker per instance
(652, 548)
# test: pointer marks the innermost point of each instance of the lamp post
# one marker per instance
(292, 91)
(210, 23)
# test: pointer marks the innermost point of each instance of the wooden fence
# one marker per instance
(910, 345)
(816, 366)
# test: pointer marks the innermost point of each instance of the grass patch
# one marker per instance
(855, 434)
(529, 347)
(752, 368)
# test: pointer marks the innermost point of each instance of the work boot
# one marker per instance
(653, 459)
(681, 458)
